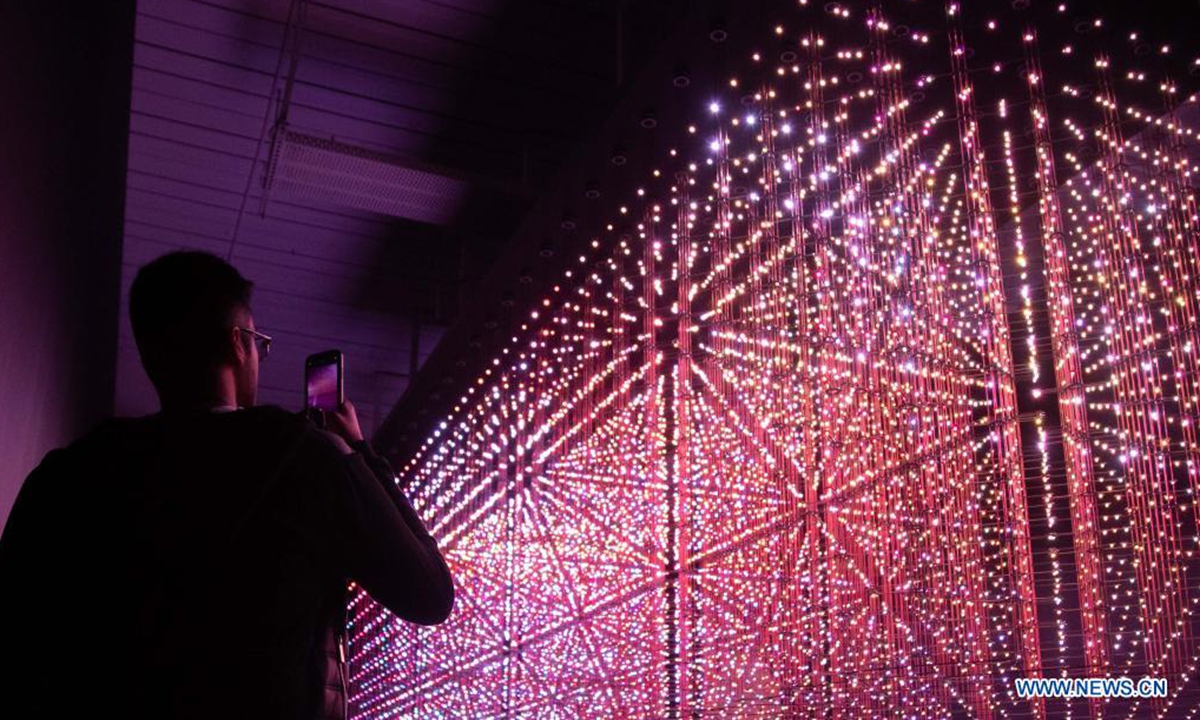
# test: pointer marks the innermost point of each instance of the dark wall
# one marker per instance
(65, 73)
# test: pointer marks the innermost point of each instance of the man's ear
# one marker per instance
(238, 354)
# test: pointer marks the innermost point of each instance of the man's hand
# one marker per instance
(344, 422)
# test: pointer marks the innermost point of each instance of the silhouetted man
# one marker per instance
(193, 563)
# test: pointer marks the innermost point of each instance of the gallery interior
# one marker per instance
(783, 358)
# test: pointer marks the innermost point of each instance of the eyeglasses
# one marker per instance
(264, 342)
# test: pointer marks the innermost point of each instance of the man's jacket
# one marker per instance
(191, 565)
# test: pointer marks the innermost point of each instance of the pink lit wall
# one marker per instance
(64, 88)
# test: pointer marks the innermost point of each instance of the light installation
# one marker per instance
(879, 393)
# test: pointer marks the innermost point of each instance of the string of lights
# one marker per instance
(879, 393)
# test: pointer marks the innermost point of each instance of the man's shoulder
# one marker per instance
(275, 415)
(271, 429)
(313, 443)
(300, 431)
(267, 423)
(266, 415)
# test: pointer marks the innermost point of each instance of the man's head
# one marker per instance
(191, 316)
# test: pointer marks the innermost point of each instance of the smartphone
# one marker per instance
(323, 380)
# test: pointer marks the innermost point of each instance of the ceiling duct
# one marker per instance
(312, 168)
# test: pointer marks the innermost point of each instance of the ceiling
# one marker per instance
(478, 101)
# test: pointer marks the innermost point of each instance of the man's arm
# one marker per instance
(383, 473)
(372, 532)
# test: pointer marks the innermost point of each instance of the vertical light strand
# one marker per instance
(1068, 377)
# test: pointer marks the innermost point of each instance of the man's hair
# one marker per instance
(181, 306)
